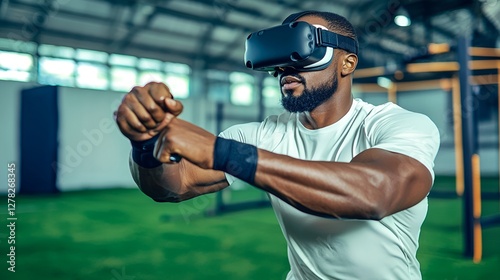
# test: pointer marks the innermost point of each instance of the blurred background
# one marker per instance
(66, 64)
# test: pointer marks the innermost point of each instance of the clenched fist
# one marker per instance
(146, 111)
(185, 139)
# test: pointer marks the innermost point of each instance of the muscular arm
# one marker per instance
(376, 183)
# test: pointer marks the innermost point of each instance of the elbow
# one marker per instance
(378, 202)
(384, 200)
(172, 198)
(161, 195)
(373, 211)
(379, 207)
(376, 214)
(165, 199)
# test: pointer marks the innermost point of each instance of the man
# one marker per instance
(348, 181)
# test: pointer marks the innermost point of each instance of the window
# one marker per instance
(66, 66)
(150, 76)
(151, 71)
(15, 66)
(56, 51)
(179, 85)
(242, 88)
(122, 60)
(271, 92)
(123, 78)
(17, 46)
(124, 75)
(150, 64)
(57, 71)
(177, 79)
(91, 75)
(177, 68)
(89, 55)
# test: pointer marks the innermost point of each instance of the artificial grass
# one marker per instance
(110, 234)
(441, 252)
(120, 234)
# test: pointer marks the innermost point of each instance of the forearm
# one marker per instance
(176, 182)
(161, 183)
(343, 190)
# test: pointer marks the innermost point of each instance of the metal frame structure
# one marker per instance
(468, 173)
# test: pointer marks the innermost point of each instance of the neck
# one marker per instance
(330, 111)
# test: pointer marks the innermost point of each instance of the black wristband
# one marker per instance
(235, 158)
(142, 153)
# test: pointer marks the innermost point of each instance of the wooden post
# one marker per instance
(498, 87)
(392, 93)
(476, 209)
(457, 129)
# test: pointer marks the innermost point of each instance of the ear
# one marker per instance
(349, 63)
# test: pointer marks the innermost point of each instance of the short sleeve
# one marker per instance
(398, 130)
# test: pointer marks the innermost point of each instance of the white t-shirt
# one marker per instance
(327, 248)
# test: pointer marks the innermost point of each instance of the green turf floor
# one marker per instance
(120, 234)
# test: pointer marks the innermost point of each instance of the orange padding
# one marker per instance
(478, 242)
(476, 209)
(438, 48)
(476, 187)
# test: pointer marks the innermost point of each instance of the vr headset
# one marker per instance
(295, 44)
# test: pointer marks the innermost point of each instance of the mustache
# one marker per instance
(293, 73)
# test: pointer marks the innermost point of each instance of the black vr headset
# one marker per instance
(295, 44)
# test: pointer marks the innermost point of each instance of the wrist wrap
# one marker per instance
(142, 153)
(235, 158)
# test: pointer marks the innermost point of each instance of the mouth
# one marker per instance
(290, 82)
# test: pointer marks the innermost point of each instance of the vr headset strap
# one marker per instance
(337, 41)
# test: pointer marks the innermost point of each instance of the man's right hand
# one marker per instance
(146, 111)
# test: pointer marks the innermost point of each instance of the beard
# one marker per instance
(310, 98)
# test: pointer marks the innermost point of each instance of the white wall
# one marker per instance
(92, 152)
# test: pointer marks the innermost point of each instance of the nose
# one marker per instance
(277, 71)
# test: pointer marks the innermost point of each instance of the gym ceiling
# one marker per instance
(211, 34)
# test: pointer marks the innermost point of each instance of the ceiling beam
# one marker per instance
(102, 44)
(223, 6)
(122, 44)
(207, 18)
(116, 15)
(4, 5)
(38, 20)
(104, 20)
(223, 10)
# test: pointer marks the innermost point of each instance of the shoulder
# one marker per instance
(391, 117)
(396, 129)
(241, 132)
(254, 132)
